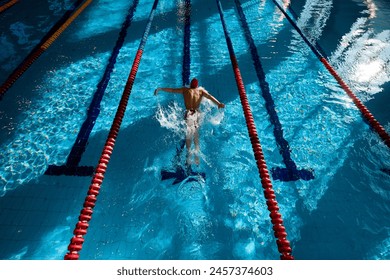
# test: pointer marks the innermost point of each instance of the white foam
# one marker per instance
(171, 118)
(210, 114)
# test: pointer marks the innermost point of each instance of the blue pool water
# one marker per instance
(342, 213)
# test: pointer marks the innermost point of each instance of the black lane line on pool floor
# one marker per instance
(291, 172)
(77, 241)
(180, 173)
(186, 47)
(279, 229)
(72, 168)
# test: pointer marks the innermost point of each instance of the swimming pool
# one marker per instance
(339, 213)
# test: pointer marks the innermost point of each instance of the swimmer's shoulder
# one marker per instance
(203, 91)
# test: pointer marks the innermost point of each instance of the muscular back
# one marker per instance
(193, 97)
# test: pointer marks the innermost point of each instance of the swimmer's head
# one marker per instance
(194, 83)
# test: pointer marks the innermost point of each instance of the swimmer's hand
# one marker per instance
(156, 90)
(221, 105)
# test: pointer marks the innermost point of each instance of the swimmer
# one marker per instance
(192, 99)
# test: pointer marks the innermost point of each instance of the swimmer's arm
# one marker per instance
(212, 98)
(172, 90)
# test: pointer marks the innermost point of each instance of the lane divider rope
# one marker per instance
(379, 129)
(36, 53)
(295, 17)
(291, 171)
(76, 243)
(8, 5)
(283, 244)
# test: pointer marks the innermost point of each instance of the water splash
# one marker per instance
(171, 118)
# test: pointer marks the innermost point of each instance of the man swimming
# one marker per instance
(192, 99)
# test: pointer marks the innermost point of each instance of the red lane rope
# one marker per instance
(363, 109)
(269, 194)
(37, 53)
(8, 5)
(76, 243)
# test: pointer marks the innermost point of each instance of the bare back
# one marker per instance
(192, 97)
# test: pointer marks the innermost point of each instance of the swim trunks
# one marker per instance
(192, 119)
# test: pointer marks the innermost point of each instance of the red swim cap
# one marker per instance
(194, 83)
